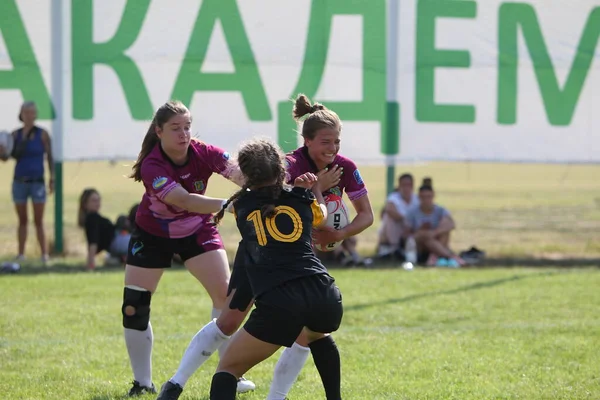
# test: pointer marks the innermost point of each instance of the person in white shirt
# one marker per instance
(431, 225)
(394, 228)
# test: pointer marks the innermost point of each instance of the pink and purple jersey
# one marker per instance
(299, 162)
(160, 176)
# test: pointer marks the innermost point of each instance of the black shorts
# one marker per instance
(150, 251)
(314, 302)
(243, 296)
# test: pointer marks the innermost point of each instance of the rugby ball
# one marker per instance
(337, 218)
(6, 141)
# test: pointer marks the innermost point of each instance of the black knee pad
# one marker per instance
(136, 309)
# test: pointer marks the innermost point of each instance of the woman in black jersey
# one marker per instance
(292, 289)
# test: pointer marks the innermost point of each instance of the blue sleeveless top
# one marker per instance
(31, 163)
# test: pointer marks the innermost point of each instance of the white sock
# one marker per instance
(287, 370)
(202, 346)
(215, 313)
(139, 347)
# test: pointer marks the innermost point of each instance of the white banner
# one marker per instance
(476, 80)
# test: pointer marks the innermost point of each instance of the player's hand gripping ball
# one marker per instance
(337, 218)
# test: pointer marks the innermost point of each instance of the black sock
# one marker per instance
(223, 386)
(327, 360)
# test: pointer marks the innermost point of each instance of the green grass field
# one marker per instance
(426, 334)
(501, 333)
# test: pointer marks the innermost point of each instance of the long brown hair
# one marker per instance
(83, 199)
(161, 117)
(314, 117)
(261, 162)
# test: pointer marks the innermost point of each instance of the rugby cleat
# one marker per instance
(170, 391)
(244, 385)
(139, 390)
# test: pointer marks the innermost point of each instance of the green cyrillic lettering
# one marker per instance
(373, 105)
(25, 75)
(559, 103)
(245, 79)
(429, 58)
(86, 54)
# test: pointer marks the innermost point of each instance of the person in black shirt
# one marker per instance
(101, 234)
(292, 289)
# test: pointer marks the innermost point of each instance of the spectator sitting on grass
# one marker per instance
(394, 228)
(431, 224)
(101, 234)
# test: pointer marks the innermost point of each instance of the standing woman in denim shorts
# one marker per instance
(31, 143)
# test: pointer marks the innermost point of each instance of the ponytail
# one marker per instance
(150, 140)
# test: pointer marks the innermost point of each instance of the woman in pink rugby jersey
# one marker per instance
(174, 217)
(321, 130)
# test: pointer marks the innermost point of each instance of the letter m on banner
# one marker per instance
(372, 107)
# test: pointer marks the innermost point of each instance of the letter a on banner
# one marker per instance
(87, 53)
(245, 79)
(373, 104)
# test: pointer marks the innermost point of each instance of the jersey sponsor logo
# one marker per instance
(226, 155)
(358, 178)
(335, 190)
(199, 186)
(185, 176)
(159, 182)
(136, 248)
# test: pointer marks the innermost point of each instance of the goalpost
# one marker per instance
(392, 118)
(57, 122)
